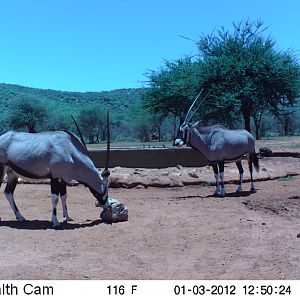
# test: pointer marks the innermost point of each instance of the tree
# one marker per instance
(28, 112)
(92, 122)
(173, 87)
(246, 65)
(245, 74)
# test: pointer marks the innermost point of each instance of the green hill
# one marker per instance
(119, 101)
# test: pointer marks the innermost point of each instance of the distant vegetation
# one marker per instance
(251, 85)
(50, 110)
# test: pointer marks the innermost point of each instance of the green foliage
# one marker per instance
(92, 122)
(27, 112)
(248, 79)
(146, 123)
(61, 105)
(245, 74)
(173, 87)
(246, 65)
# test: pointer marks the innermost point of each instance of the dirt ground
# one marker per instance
(172, 233)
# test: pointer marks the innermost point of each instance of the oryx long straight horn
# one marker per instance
(187, 115)
(79, 132)
(106, 172)
(192, 116)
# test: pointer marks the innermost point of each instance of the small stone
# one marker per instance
(140, 187)
(193, 174)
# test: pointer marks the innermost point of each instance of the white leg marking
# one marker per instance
(217, 191)
(64, 207)
(239, 188)
(54, 220)
(223, 192)
(11, 201)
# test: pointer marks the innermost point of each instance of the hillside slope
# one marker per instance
(120, 101)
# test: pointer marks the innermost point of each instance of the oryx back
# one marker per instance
(218, 143)
(42, 155)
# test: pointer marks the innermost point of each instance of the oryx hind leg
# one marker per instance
(12, 181)
(216, 173)
(241, 172)
(221, 174)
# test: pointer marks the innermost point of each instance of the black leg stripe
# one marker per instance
(240, 167)
(215, 168)
(221, 166)
(62, 189)
(55, 184)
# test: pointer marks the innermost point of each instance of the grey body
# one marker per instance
(57, 155)
(219, 145)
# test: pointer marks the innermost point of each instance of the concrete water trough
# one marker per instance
(148, 157)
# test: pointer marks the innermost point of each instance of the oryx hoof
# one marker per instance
(239, 190)
(216, 193)
(56, 226)
(222, 194)
(20, 218)
(67, 219)
(253, 190)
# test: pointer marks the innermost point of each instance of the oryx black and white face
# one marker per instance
(182, 135)
(102, 196)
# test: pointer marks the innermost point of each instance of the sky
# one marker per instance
(97, 45)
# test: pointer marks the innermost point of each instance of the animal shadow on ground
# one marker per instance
(232, 195)
(44, 225)
(229, 195)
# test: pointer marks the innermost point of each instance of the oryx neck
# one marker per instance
(197, 139)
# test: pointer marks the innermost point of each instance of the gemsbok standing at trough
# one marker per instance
(219, 145)
(58, 156)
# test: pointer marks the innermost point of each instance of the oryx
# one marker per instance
(57, 155)
(219, 144)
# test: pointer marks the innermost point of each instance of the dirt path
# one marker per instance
(172, 233)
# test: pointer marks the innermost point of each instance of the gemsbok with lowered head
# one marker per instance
(59, 156)
(219, 145)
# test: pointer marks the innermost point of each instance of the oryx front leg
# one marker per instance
(63, 197)
(12, 181)
(54, 198)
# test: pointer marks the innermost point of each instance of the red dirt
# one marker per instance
(172, 233)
